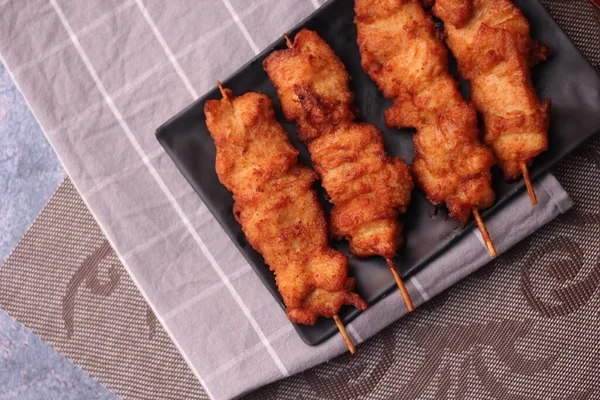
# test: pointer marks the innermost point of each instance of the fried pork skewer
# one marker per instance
(490, 40)
(277, 208)
(368, 188)
(401, 52)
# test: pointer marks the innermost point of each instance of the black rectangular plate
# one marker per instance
(567, 79)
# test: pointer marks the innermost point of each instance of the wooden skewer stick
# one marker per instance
(345, 336)
(403, 292)
(336, 317)
(528, 184)
(223, 92)
(484, 232)
(397, 278)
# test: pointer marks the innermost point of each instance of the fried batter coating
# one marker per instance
(368, 188)
(490, 40)
(277, 207)
(401, 52)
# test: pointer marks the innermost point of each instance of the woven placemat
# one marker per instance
(526, 326)
(65, 283)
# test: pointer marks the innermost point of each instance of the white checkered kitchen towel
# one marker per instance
(101, 76)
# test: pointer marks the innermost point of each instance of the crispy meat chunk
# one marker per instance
(369, 189)
(494, 52)
(277, 207)
(401, 52)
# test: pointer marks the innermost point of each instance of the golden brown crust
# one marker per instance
(277, 207)
(401, 52)
(494, 52)
(313, 85)
(456, 12)
(368, 188)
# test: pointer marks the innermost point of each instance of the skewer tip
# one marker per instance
(484, 233)
(222, 90)
(403, 291)
(528, 184)
(344, 334)
(287, 40)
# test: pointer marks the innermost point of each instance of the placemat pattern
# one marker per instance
(580, 20)
(65, 283)
(537, 336)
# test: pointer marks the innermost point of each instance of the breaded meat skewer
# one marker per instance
(490, 40)
(400, 50)
(368, 188)
(277, 208)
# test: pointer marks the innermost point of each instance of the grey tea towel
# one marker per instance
(100, 76)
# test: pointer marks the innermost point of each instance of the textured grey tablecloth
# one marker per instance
(100, 76)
